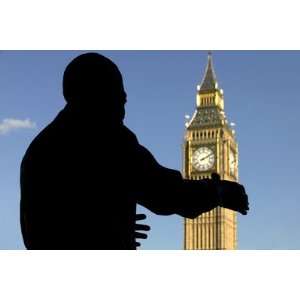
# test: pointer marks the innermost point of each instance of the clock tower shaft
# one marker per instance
(210, 146)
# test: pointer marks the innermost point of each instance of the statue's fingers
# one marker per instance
(139, 217)
(139, 235)
(142, 227)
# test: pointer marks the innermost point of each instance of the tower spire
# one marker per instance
(209, 81)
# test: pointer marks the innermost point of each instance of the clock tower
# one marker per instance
(210, 146)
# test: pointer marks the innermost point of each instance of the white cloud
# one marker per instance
(11, 124)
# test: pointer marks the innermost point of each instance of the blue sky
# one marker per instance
(261, 91)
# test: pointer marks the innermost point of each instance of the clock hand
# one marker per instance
(206, 157)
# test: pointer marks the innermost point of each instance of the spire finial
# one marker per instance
(209, 81)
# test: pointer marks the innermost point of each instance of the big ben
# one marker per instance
(210, 146)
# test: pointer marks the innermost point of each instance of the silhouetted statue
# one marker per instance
(83, 175)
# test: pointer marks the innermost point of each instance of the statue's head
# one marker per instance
(93, 82)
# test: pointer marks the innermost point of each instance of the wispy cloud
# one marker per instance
(10, 124)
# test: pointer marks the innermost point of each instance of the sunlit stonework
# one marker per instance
(210, 146)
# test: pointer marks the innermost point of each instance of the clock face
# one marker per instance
(203, 159)
(232, 162)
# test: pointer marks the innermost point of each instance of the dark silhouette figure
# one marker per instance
(83, 175)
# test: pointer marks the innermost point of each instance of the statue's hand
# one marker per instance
(232, 195)
(140, 227)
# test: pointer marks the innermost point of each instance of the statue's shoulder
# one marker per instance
(43, 144)
(128, 135)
